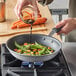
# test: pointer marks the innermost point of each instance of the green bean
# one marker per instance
(20, 47)
(17, 45)
(42, 51)
(36, 47)
(33, 49)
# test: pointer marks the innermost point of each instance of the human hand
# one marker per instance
(68, 25)
(21, 3)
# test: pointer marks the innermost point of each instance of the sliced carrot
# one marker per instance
(19, 24)
(35, 50)
(40, 20)
(15, 49)
(49, 48)
(37, 53)
(38, 16)
(25, 12)
(39, 49)
(25, 43)
(24, 52)
(52, 51)
(18, 51)
(26, 15)
(32, 52)
(28, 50)
(27, 54)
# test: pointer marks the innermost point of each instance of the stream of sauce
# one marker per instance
(30, 33)
(30, 21)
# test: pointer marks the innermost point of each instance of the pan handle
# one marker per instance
(55, 30)
(58, 29)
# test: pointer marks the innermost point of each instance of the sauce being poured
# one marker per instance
(30, 21)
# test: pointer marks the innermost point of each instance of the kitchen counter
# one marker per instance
(69, 50)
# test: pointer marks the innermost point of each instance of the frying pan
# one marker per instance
(46, 40)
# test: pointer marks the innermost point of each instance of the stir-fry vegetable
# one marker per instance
(33, 49)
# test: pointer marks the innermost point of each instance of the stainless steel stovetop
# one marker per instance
(69, 51)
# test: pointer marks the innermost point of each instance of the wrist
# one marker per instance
(74, 21)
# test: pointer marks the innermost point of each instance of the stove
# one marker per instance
(10, 66)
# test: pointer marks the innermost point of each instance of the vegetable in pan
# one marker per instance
(33, 49)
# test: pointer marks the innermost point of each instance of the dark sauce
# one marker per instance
(30, 21)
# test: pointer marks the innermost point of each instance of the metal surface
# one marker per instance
(52, 32)
(69, 50)
(59, 11)
(40, 38)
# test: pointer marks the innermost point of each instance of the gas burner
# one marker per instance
(30, 64)
(10, 66)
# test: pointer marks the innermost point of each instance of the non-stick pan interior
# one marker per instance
(40, 38)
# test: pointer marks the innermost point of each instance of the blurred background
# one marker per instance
(61, 9)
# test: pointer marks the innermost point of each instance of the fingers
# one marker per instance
(20, 4)
(35, 8)
(68, 25)
(16, 10)
(62, 23)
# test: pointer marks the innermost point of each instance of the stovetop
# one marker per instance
(10, 66)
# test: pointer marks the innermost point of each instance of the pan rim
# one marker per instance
(31, 55)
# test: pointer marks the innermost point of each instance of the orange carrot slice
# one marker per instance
(19, 24)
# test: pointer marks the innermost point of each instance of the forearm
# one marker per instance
(74, 21)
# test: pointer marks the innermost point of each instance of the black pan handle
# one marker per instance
(57, 29)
